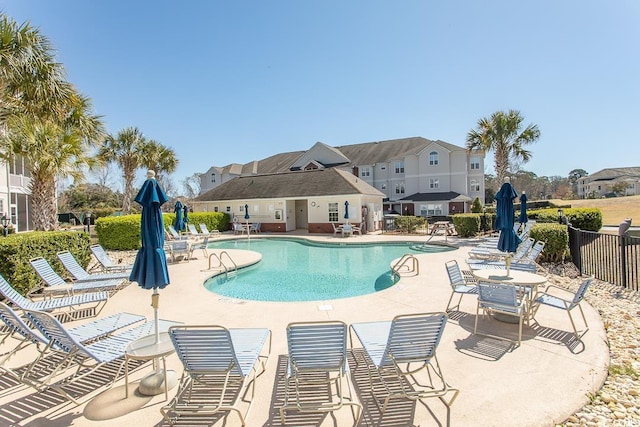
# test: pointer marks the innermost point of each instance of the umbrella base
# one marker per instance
(154, 383)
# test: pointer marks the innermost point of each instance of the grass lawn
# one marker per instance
(614, 210)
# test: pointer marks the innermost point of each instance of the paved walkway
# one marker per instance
(540, 383)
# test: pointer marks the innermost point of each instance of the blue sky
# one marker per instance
(233, 81)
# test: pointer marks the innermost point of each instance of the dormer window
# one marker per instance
(434, 158)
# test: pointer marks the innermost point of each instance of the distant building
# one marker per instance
(311, 200)
(601, 183)
(417, 176)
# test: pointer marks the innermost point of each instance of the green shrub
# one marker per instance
(556, 238)
(467, 225)
(588, 219)
(119, 233)
(18, 249)
(122, 233)
(409, 224)
(476, 206)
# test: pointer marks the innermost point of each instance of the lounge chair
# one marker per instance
(459, 284)
(105, 263)
(317, 368)
(394, 348)
(87, 357)
(564, 300)
(69, 308)
(255, 227)
(219, 366)
(53, 283)
(24, 335)
(175, 235)
(78, 273)
(193, 232)
(489, 254)
(503, 299)
(205, 231)
(526, 263)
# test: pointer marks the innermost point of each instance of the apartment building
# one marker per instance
(604, 182)
(15, 194)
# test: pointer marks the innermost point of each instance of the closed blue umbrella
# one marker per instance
(505, 213)
(178, 223)
(150, 267)
(523, 209)
(185, 210)
(346, 210)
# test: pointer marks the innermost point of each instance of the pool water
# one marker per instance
(300, 270)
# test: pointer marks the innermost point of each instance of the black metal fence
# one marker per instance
(608, 257)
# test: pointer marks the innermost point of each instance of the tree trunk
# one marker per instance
(43, 193)
(128, 192)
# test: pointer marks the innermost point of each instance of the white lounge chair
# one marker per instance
(205, 231)
(70, 307)
(317, 368)
(219, 366)
(105, 263)
(394, 348)
(24, 335)
(78, 273)
(87, 357)
(53, 283)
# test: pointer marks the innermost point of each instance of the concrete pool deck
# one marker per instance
(540, 383)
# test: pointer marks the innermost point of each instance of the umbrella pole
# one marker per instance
(155, 299)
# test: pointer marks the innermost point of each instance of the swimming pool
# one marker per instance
(302, 270)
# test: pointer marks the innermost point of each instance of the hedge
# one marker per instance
(556, 238)
(588, 219)
(122, 233)
(16, 251)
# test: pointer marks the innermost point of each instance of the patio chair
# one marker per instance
(459, 284)
(255, 227)
(105, 263)
(205, 231)
(565, 301)
(239, 228)
(201, 245)
(54, 283)
(219, 367)
(503, 299)
(78, 273)
(69, 308)
(337, 228)
(87, 357)
(356, 230)
(180, 249)
(393, 349)
(317, 369)
(24, 335)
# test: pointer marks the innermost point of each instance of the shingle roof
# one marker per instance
(436, 197)
(366, 153)
(611, 173)
(321, 182)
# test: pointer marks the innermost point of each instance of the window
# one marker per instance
(215, 209)
(475, 163)
(383, 187)
(431, 209)
(475, 185)
(228, 209)
(399, 167)
(400, 188)
(241, 208)
(433, 158)
(365, 171)
(333, 212)
(383, 167)
(433, 182)
(213, 177)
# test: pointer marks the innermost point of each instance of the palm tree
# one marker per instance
(502, 133)
(44, 119)
(159, 158)
(127, 150)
